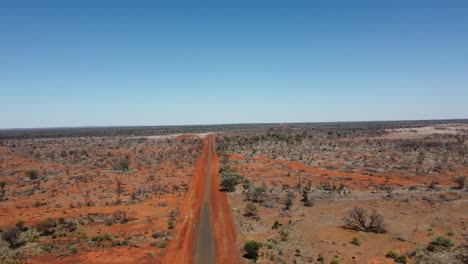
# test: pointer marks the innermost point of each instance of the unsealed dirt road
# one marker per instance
(206, 232)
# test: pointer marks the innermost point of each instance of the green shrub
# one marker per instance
(122, 164)
(276, 224)
(162, 244)
(170, 223)
(250, 210)
(116, 243)
(298, 252)
(32, 238)
(356, 241)
(32, 174)
(391, 254)
(81, 235)
(258, 194)
(246, 184)
(48, 247)
(229, 181)
(104, 237)
(401, 259)
(251, 249)
(45, 227)
(320, 258)
(396, 257)
(223, 168)
(284, 235)
(440, 242)
(69, 250)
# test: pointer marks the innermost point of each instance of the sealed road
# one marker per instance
(205, 248)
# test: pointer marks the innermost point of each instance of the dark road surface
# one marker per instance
(205, 240)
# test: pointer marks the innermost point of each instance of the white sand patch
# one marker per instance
(447, 129)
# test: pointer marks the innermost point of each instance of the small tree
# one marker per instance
(228, 182)
(251, 249)
(461, 181)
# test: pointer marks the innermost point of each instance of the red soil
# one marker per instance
(359, 181)
(104, 256)
(149, 213)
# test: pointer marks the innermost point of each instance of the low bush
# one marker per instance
(11, 235)
(251, 249)
(170, 223)
(45, 227)
(103, 237)
(320, 258)
(162, 244)
(461, 181)
(356, 241)
(440, 243)
(276, 224)
(32, 174)
(250, 210)
(396, 257)
(20, 226)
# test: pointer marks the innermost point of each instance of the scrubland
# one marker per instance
(388, 192)
(350, 195)
(92, 199)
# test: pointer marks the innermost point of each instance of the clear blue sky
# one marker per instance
(88, 63)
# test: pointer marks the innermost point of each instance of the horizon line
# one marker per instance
(233, 124)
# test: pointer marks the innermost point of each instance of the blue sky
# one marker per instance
(98, 63)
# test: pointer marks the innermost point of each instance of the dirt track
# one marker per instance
(205, 244)
(206, 231)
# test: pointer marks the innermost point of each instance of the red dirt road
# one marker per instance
(206, 224)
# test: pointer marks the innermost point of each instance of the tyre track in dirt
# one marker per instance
(205, 232)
